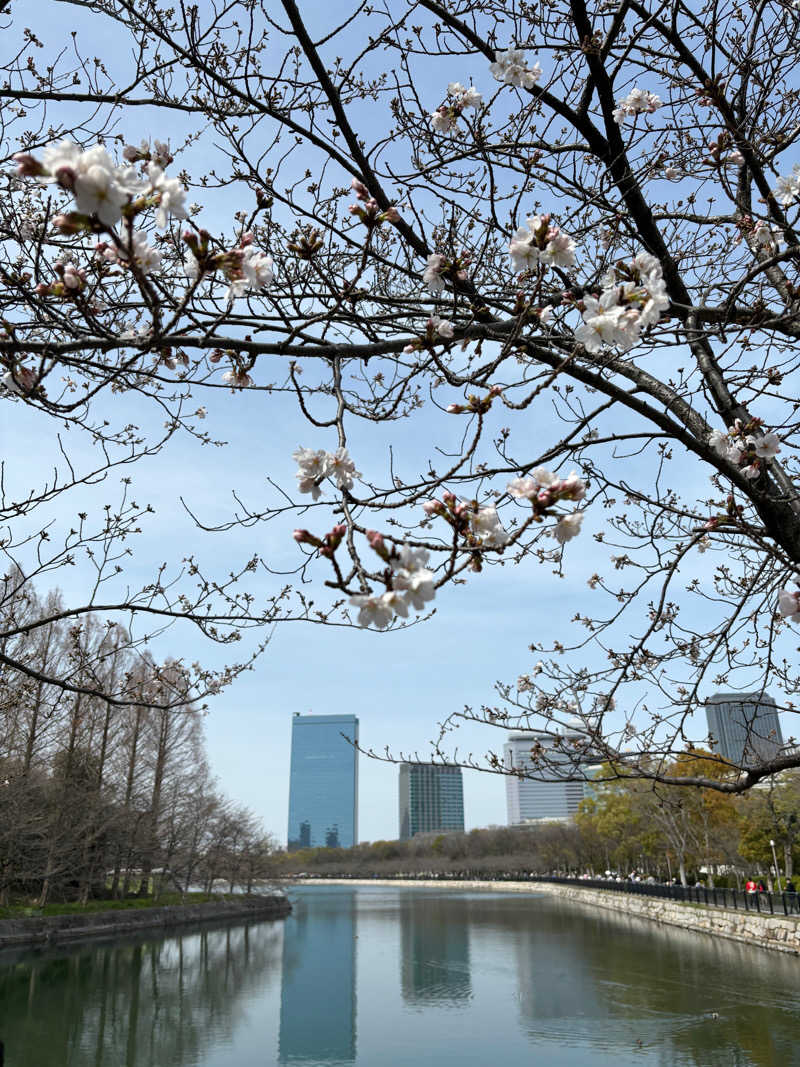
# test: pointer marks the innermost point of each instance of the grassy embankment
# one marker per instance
(24, 910)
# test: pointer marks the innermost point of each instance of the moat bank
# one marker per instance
(53, 929)
(775, 932)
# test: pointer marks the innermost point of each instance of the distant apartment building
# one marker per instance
(323, 782)
(544, 793)
(431, 798)
(744, 727)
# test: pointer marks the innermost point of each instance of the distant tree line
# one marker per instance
(656, 830)
(101, 798)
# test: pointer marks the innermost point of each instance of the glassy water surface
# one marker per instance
(398, 977)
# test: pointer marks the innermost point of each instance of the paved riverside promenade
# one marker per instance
(778, 932)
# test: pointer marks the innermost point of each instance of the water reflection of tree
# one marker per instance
(138, 1004)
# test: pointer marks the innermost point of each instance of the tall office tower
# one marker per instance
(535, 798)
(323, 782)
(431, 798)
(745, 727)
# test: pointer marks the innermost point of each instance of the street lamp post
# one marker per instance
(775, 859)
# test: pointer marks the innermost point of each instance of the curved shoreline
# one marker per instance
(778, 933)
(53, 929)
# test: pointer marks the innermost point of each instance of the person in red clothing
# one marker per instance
(751, 886)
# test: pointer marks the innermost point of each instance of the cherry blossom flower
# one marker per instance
(413, 578)
(21, 381)
(541, 243)
(510, 67)
(789, 604)
(568, 527)
(249, 271)
(314, 466)
(463, 97)
(237, 379)
(72, 277)
(146, 258)
(486, 526)
(572, 487)
(444, 119)
(443, 327)
(766, 446)
(102, 189)
(523, 488)
(342, 468)
(432, 275)
(719, 441)
(788, 189)
(605, 321)
(625, 307)
(379, 611)
(171, 194)
(637, 101)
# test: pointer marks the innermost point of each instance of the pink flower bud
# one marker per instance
(496, 390)
(449, 498)
(27, 166)
(339, 530)
(72, 223)
(391, 215)
(375, 541)
(301, 536)
(433, 507)
(454, 409)
(358, 187)
(65, 176)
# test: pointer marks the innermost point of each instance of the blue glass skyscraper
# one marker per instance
(323, 782)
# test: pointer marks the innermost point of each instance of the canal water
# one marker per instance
(393, 977)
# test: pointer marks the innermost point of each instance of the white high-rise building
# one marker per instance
(539, 796)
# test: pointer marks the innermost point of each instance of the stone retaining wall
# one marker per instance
(768, 931)
(54, 928)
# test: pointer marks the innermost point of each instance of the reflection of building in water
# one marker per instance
(318, 994)
(435, 945)
(553, 979)
(323, 782)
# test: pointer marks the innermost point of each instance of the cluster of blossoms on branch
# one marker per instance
(544, 489)
(138, 253)
(439, 267)
(510, 68)
(632, 298)
(317, 465)
(246, 268)
(540, 242)
(103, 191)
(744, 448)
(410, 584)
(637, 102)
(445, 117)
(436, 329)
(368, 209)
